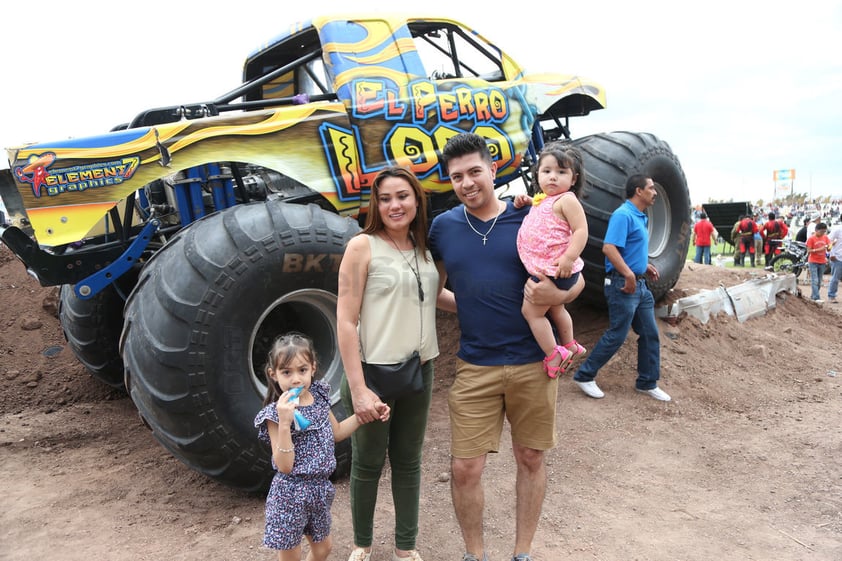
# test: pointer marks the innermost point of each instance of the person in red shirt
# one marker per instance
(817, 246)
(746, 230)
(703, 234)
(784, 227)
(772, 233)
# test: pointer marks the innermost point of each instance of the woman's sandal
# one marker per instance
(575, 348)
(566, 356)
(360, 554)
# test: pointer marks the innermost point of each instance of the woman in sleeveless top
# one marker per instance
(386, 310)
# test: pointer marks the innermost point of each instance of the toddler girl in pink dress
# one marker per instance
(550, 242)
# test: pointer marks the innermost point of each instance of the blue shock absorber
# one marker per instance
(220, 183)
(188, 195)
(197, 202)
(143, 201)
(182, 199)
(230, 199)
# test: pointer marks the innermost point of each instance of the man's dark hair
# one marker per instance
(462, 145)
(635, 182)
(771, 216)
(703, 215)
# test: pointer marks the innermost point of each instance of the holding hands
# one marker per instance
(368, 407)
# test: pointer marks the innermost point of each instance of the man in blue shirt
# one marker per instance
(630, 303)
(499, 370)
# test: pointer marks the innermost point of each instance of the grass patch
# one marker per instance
(726, 252)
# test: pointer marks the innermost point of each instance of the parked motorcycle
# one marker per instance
(791, 258)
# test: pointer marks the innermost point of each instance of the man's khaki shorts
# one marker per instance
(481, 396)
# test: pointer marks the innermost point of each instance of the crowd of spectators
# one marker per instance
(795, 221)
(795, 214)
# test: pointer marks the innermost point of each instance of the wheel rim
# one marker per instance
(309, 311)
(660, 214)
(784, 264)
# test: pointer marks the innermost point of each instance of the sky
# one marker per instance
(737, 88)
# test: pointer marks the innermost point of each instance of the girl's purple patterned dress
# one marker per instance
(298, 503)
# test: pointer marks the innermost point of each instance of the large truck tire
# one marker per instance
(92, 330)
(610, 158)
(203, 315)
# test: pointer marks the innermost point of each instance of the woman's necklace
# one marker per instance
(477, 232)
(416, 270)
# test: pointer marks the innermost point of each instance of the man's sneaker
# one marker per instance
(522, 557)
(472, 557)
(833, 300)
(591, 389)
(657, 393)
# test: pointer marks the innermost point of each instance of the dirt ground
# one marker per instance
(742, 464)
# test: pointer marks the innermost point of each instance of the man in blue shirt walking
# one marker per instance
(630, 303)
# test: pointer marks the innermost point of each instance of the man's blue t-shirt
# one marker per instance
(628, 229)
(488, 283)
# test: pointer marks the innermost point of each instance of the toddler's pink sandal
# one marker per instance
(566, 356)
(575, 348)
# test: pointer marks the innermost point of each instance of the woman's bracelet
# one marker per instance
(284, 450)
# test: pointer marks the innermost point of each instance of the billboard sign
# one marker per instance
(784, 179)
(784, 175)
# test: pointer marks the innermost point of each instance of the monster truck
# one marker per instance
(187, 238)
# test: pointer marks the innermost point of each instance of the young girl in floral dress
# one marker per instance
(299, 499)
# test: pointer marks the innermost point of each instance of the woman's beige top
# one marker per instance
(392, 319)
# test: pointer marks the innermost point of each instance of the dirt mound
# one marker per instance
(742, 464)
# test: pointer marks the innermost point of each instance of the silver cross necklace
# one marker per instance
(477, 232)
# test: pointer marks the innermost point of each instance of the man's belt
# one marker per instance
(636, 276)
